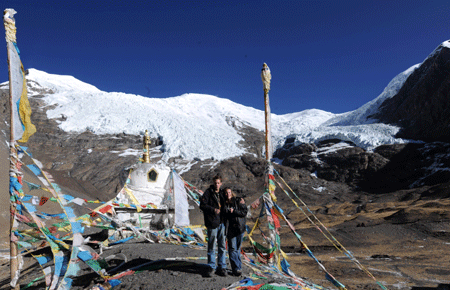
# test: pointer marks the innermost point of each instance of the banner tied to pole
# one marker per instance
(21, 110)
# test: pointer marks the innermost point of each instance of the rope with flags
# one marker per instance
(324, 230)
(274, 254)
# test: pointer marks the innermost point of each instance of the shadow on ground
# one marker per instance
(439, 287)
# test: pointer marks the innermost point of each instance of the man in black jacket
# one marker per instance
(211, 204)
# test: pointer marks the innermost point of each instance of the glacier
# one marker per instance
(201, 126)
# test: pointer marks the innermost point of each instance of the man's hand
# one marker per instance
(242, 201)
(231, 210)
(217, 211)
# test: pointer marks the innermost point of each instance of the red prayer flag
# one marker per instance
(276, 221)
(105, 209)
(255, 204)
(43, 200)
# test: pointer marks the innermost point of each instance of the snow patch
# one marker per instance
(319, 189)
(132, 152)
(333, 148)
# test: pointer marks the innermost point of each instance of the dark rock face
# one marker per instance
(297, 156)
(388, 168)
(290, 149)
(388, 151)
(348, 164)
(301, 161)
(421, 107)
(415, 165)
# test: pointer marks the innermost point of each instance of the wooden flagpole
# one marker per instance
(269, 197)
(266, 77)
(14, 259)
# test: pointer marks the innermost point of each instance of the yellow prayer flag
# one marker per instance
(25, 114)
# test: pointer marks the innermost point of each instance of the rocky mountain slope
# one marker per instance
(421, 107)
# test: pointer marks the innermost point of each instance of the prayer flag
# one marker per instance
(105, 209)
(93, 214)
(21, 110)
(34, 169)
(44, 199)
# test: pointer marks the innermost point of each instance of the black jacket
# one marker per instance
(210, 201)
(235, 221)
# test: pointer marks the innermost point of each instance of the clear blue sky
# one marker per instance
(329, 55)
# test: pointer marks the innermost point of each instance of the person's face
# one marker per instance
(228, 194)
(217, 184)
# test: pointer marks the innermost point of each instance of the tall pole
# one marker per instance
(266, 77)
(269, 195)
(12, 206)
(9, 23)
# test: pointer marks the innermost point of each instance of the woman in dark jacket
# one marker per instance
(235, 211)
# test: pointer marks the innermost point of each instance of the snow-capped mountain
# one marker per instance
(421, 107)
(200, 126)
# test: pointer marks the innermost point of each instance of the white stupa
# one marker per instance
(158, 190)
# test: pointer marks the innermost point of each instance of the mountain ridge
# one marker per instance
(187, 122)
(421, 108)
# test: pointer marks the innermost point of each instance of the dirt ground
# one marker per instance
(404, 245)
